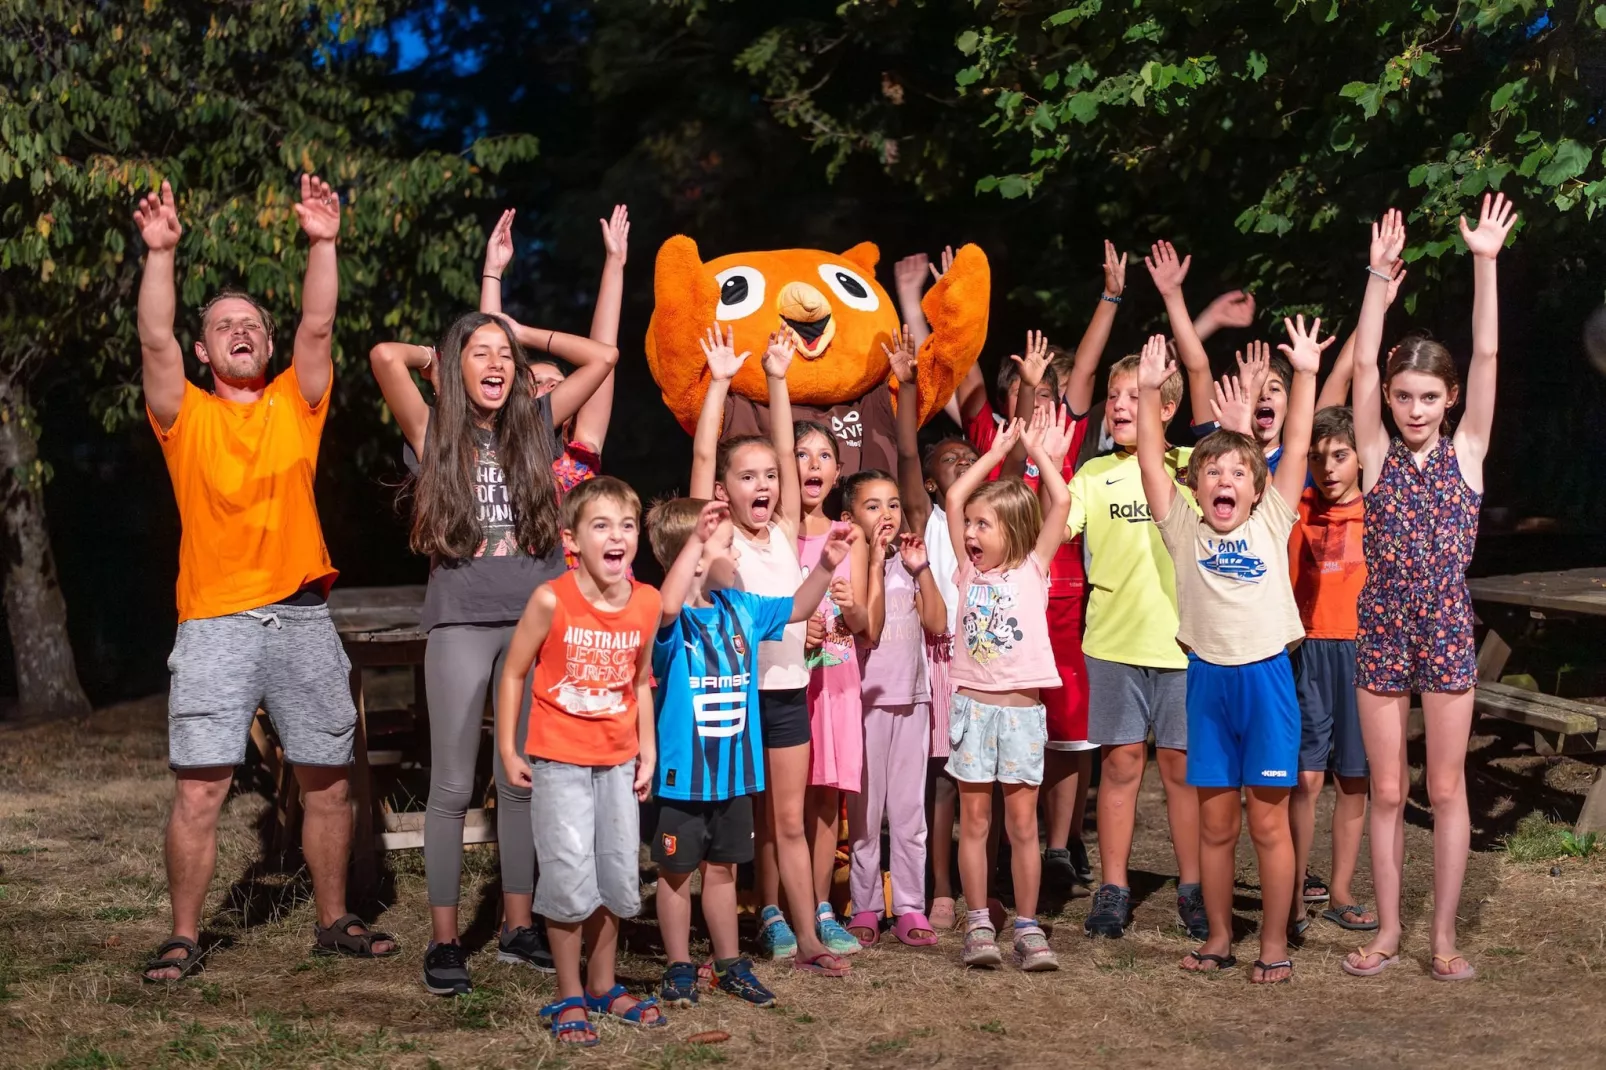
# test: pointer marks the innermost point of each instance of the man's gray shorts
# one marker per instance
(285, 659)
(587, 839)
(1127, 702)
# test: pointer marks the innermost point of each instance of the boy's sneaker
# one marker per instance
(775, 937)
(1112, 911)
(446, 970)
(679, 986)
(739, 981)
(1059, 874)
(526, 946)
(1079, 862)
(1191, 913)
(837, 940)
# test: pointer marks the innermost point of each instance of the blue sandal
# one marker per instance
(603, 1004)
(562, 1006)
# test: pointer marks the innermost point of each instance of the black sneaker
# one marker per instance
(1059, 874)
(1112, 911)
(446, 970)
(1079, 862)
(1191, 914)
(679, 986)
(739, 981)
(526, 947)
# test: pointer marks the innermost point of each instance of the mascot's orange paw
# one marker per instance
(840, 318)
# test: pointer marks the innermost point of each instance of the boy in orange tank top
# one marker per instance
(589, 755)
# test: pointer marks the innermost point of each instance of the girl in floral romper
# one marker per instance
(1423, 489)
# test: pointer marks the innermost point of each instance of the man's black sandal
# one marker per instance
(185, 966)
(337, 939)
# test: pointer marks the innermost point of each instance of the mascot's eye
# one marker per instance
(741, 292)
(850, 287)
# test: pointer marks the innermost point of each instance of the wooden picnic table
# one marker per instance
(1508, 605)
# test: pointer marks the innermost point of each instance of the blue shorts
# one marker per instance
(1330, 731)
(995, 744)
(1243, 724)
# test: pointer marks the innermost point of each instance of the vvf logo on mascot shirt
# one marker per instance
(839, 319)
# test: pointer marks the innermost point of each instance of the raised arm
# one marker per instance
(1023, 399)
(1158, 486)
(682, 574)
(1078, 390)
(646, 727)
(974, 476)
(1304, 351)
(723, 363)
(162, 362)
(498, 255)
(1234, 405)
(777, 358)
(1168, 273)
(393, 364)
(1472, 436)
(875, 575)
(522, 649)
(1371, 438)
(1335, 388)
(1235, 308)
(909, 279)
(593, 363)
(314, 353)
(911, 480)
(591, 423)
(928, 596)
(815, 585)
(1056, 497)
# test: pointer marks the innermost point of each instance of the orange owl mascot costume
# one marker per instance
(840, 318)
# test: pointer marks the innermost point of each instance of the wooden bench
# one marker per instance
(1561, 725)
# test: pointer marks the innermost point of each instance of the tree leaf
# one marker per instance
(1568, 160)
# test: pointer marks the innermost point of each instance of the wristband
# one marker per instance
(1111, 300)
(1370, 270)
(498, 278)
(430, 363)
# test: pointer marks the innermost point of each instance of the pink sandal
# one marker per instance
(866, 919)
(943, 914)
(913, 922)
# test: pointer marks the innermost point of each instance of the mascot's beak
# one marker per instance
(808, 313)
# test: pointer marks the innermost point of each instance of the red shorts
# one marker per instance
(1067, 704)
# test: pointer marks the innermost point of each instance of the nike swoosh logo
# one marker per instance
(1110, 482)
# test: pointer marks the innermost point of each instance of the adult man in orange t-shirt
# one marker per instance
(254, 629)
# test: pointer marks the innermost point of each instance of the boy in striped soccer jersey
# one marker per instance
(710, 743)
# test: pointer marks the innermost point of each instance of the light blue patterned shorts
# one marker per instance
(996, 743)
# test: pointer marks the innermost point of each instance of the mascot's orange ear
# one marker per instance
(865, 255)
(684, 299)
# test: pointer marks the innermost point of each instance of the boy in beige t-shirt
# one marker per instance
(1236, 618)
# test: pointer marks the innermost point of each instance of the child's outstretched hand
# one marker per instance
(1494, 223)
(720, 351)
(1305, 354)
(1057, 433)
(1254, 367)
(1154, 366)
(912, 548)
(778, 354)
(616, 234)
(1005, 440)
(1233, 406)
(836, 546)
(1388, 241)
(1114, 270)
(1235, 308)
(499, 246)
(1165, 269)
(1394, 284)
(909, 274)
(1035, 362)
(947, 262)
(709, 520)
(901, 355)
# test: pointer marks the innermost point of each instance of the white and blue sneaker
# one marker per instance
(837, 940)
(776, 940)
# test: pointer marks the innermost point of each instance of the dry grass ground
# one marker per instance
(82, 901)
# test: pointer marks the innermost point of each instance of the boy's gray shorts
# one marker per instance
(285, 659)
(587, 839)
(1127, 702)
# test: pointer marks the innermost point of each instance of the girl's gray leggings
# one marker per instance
(462, 664)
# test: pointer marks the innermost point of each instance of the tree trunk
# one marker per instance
(36, 613)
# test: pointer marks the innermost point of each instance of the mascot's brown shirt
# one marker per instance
(865, 427)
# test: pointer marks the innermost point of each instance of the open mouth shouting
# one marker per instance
(1265, 417)
(1223, 504)
(241, 348)
(973, 551)
(614, 560)
(761, 508)
(492, 387)
(813, 487)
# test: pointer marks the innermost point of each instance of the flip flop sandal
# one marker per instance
(862, 921)
(1223, 962)
(338, 939)
(1297, 930)
(943, 915)
(560, 1029)
(1313, 881)
(1387, 960)
(636, 1015)
(1465, 974)
(1335, 914)
(913, 922)
(1267, 967)
(825, 964)
(185, 966)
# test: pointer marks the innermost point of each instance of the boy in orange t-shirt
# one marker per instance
(589, 755)
(1327, 569)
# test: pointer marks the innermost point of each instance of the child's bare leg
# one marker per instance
(601, 933)
(1274, 852)
(823, 821)
(1349, 818)
(1083, 782)
(565, 940)
(1383, 719)
(1182, 808)
(1218, 844)
(975, 817)
(767, 871)
(788, 784)
(940, 843)
(674, 913)
(719, 907)
(1060, 788)
(1302, 826)
(1117, 810)
(1026, 866)
(1449, 722)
